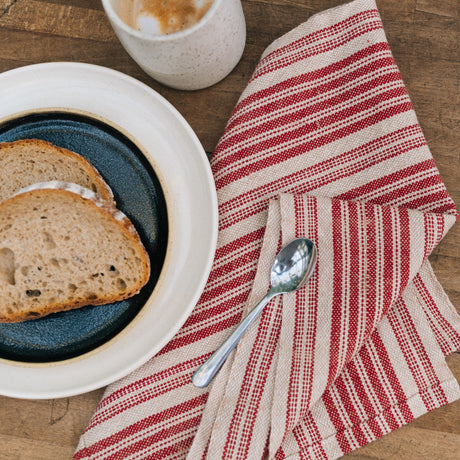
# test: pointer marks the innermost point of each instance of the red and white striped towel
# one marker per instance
(324, 143)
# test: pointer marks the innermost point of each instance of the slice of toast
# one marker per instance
(62, 248)
(25, 162)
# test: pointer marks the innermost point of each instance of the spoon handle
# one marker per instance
(206, 372)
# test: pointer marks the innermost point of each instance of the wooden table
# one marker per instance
(424, 37)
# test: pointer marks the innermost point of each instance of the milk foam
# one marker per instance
(162, 17)
(147, 24)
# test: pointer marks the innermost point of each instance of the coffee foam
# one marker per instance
(162, 17)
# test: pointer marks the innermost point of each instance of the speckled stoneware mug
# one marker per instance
(193, 58)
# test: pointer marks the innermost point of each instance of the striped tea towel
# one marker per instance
(324, 143)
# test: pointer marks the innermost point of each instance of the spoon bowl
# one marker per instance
(292, 267)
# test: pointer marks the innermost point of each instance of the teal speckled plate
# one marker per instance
(138, 194)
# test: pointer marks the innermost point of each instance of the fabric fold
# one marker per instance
(323, 143)
(242, 381)
(367, 256)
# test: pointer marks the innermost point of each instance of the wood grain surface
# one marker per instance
(424, 38)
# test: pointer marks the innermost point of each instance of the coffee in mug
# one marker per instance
(185, 44)
(162, 17)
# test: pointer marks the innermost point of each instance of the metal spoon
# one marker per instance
(292, 267)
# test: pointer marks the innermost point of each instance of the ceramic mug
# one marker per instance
(194, 58)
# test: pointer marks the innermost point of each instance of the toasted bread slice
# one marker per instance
(62, 248)
(25, 162)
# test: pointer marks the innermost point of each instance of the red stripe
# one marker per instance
(305, 332)
(362, 394)
(307, 112)
(432, 200)
(320, 141)
(391, 378)
(354, 304)
(222, 308)
(337, 420)
(309, 438)
(246, 258)
(321, 174)
(245, 411)
(140, 391)
(298, 80)
(180, 448)
(416, 356)
(336, 97)
(428, 224)
(304, 337)
(346, 401)
(359, 435)
(237, 244)
(424, 199)
(446, 334)
(319, 34)
(388, 257)
(405, 245)
(430, 176)
(147, 441)
(224, 288)
(202, 333)
(245, 213)
(372, 374)
(446, 209)
(151, 420)
(337, 289)
(280, 455)
(381, 148)
(320, 48)
(372, 275)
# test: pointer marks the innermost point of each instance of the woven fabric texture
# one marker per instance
(324, 143)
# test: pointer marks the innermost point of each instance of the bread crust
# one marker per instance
(107, 211)
(103, 189)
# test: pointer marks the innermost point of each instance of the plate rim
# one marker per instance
(116, 76)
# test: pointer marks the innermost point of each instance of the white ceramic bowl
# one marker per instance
(181, 163)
